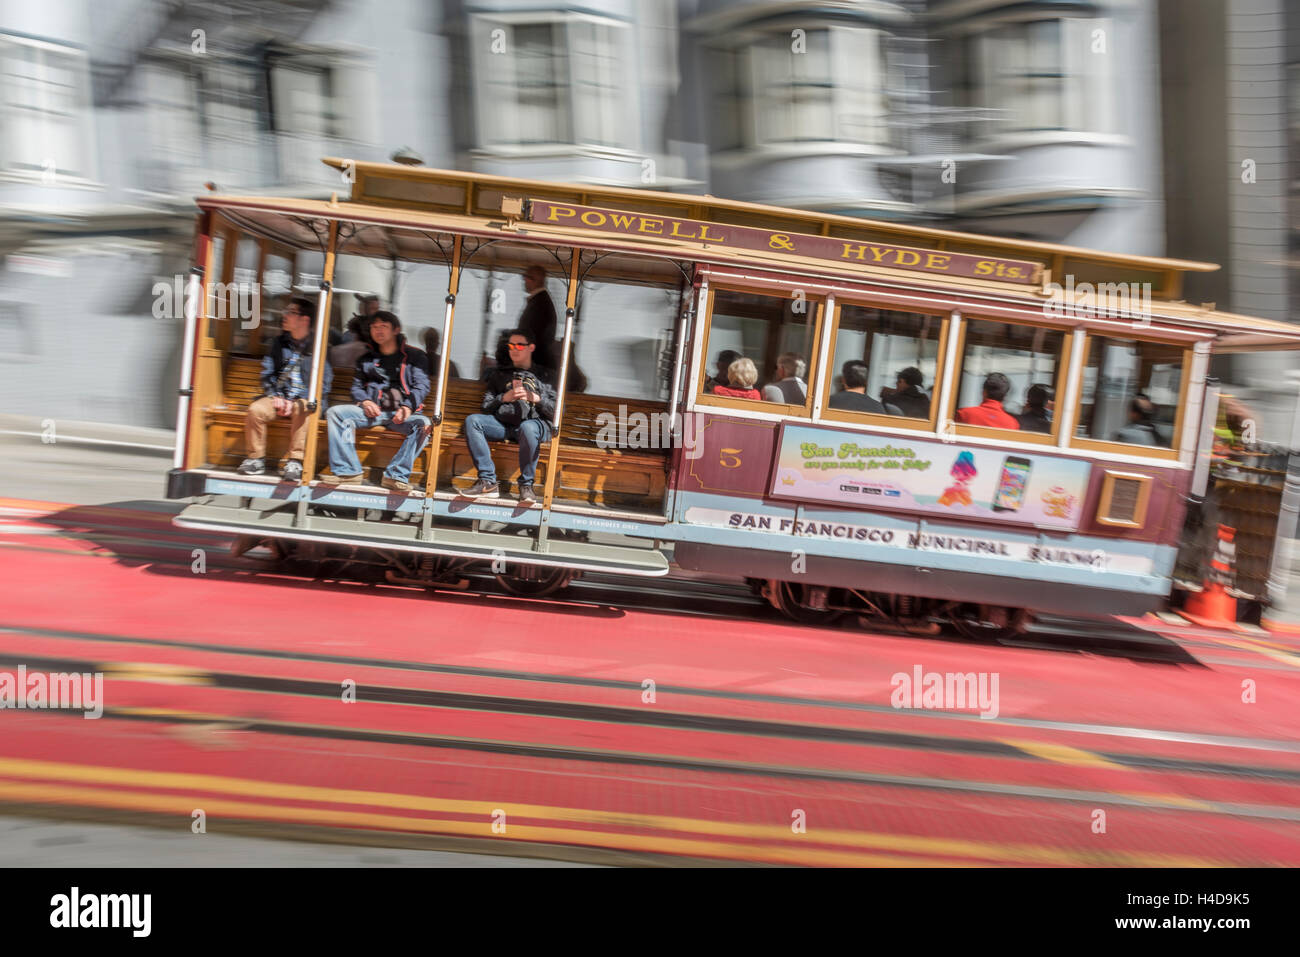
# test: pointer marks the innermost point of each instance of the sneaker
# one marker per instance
(397, 485)
(332, 479)
(481, 489)
(526, 494)
(292, 471)
(252, 467)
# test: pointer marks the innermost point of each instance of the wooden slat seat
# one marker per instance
(588, 473)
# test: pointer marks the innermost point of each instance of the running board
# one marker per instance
(404, 536)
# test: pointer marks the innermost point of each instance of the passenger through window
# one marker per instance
(1130, 391)
(759, 347)
(884, 362)
(1008, 376)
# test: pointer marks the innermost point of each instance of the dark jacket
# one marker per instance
(911, 402)
(497, 381)
(275, 368)
(1141, 433)
(538, 320)
(369, 380)
(847, 401)
(1034, 420)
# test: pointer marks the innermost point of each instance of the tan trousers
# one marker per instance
(262, 412)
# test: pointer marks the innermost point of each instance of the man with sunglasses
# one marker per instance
(286, 379)
(518, 405)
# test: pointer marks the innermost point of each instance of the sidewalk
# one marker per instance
(52, 430)
(86, 463)
(1284, 618)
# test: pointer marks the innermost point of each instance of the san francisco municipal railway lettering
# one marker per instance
(902, 538)
(786, 244)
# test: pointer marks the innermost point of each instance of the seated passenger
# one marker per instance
(519, 405)
(286, 380)
(789, 386)
(741, 376)
(433, 339)
(356, 343)
(389, 384)
(1037, 414)
(368, 304)
(990, 412)
(906, 396)
(725, 358)
(853, 397)
(1141, 428)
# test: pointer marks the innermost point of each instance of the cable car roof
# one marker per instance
(416, 200)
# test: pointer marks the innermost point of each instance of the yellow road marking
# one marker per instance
(156, 673)
(1192, 804)
(908, 844)
(1259, 647)
(1063, 754)
(177, 804)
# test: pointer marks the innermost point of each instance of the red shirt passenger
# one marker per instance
(990, 413)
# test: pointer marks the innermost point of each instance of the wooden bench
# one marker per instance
(588, 473)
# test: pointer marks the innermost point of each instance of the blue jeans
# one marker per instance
(344, 420)
(480, 429)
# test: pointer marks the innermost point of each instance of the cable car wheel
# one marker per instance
(789, 599)
(534, 581)
(988, 623)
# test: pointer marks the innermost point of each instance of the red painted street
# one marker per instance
(666, 722)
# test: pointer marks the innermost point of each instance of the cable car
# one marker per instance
(900, 421)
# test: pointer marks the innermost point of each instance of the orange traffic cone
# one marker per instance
(1212, 605)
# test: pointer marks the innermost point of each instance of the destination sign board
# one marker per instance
(931, 261)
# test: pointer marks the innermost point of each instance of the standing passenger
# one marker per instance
(538, 317)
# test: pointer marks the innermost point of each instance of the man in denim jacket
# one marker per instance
(389, 385)
(286, 381)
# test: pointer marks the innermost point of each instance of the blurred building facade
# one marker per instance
(1044, 119)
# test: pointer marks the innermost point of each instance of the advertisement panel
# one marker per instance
(939, 478)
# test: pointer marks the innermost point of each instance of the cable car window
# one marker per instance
(1008, 376)
(214, 280)
(245, 309)
(277, 277)
(759, 348)
(884, 362)
(1130, 392)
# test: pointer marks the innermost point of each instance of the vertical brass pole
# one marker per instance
(434, 450)
(319, 357)
(562, 383)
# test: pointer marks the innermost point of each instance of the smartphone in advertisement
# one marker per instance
(1012, 485)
